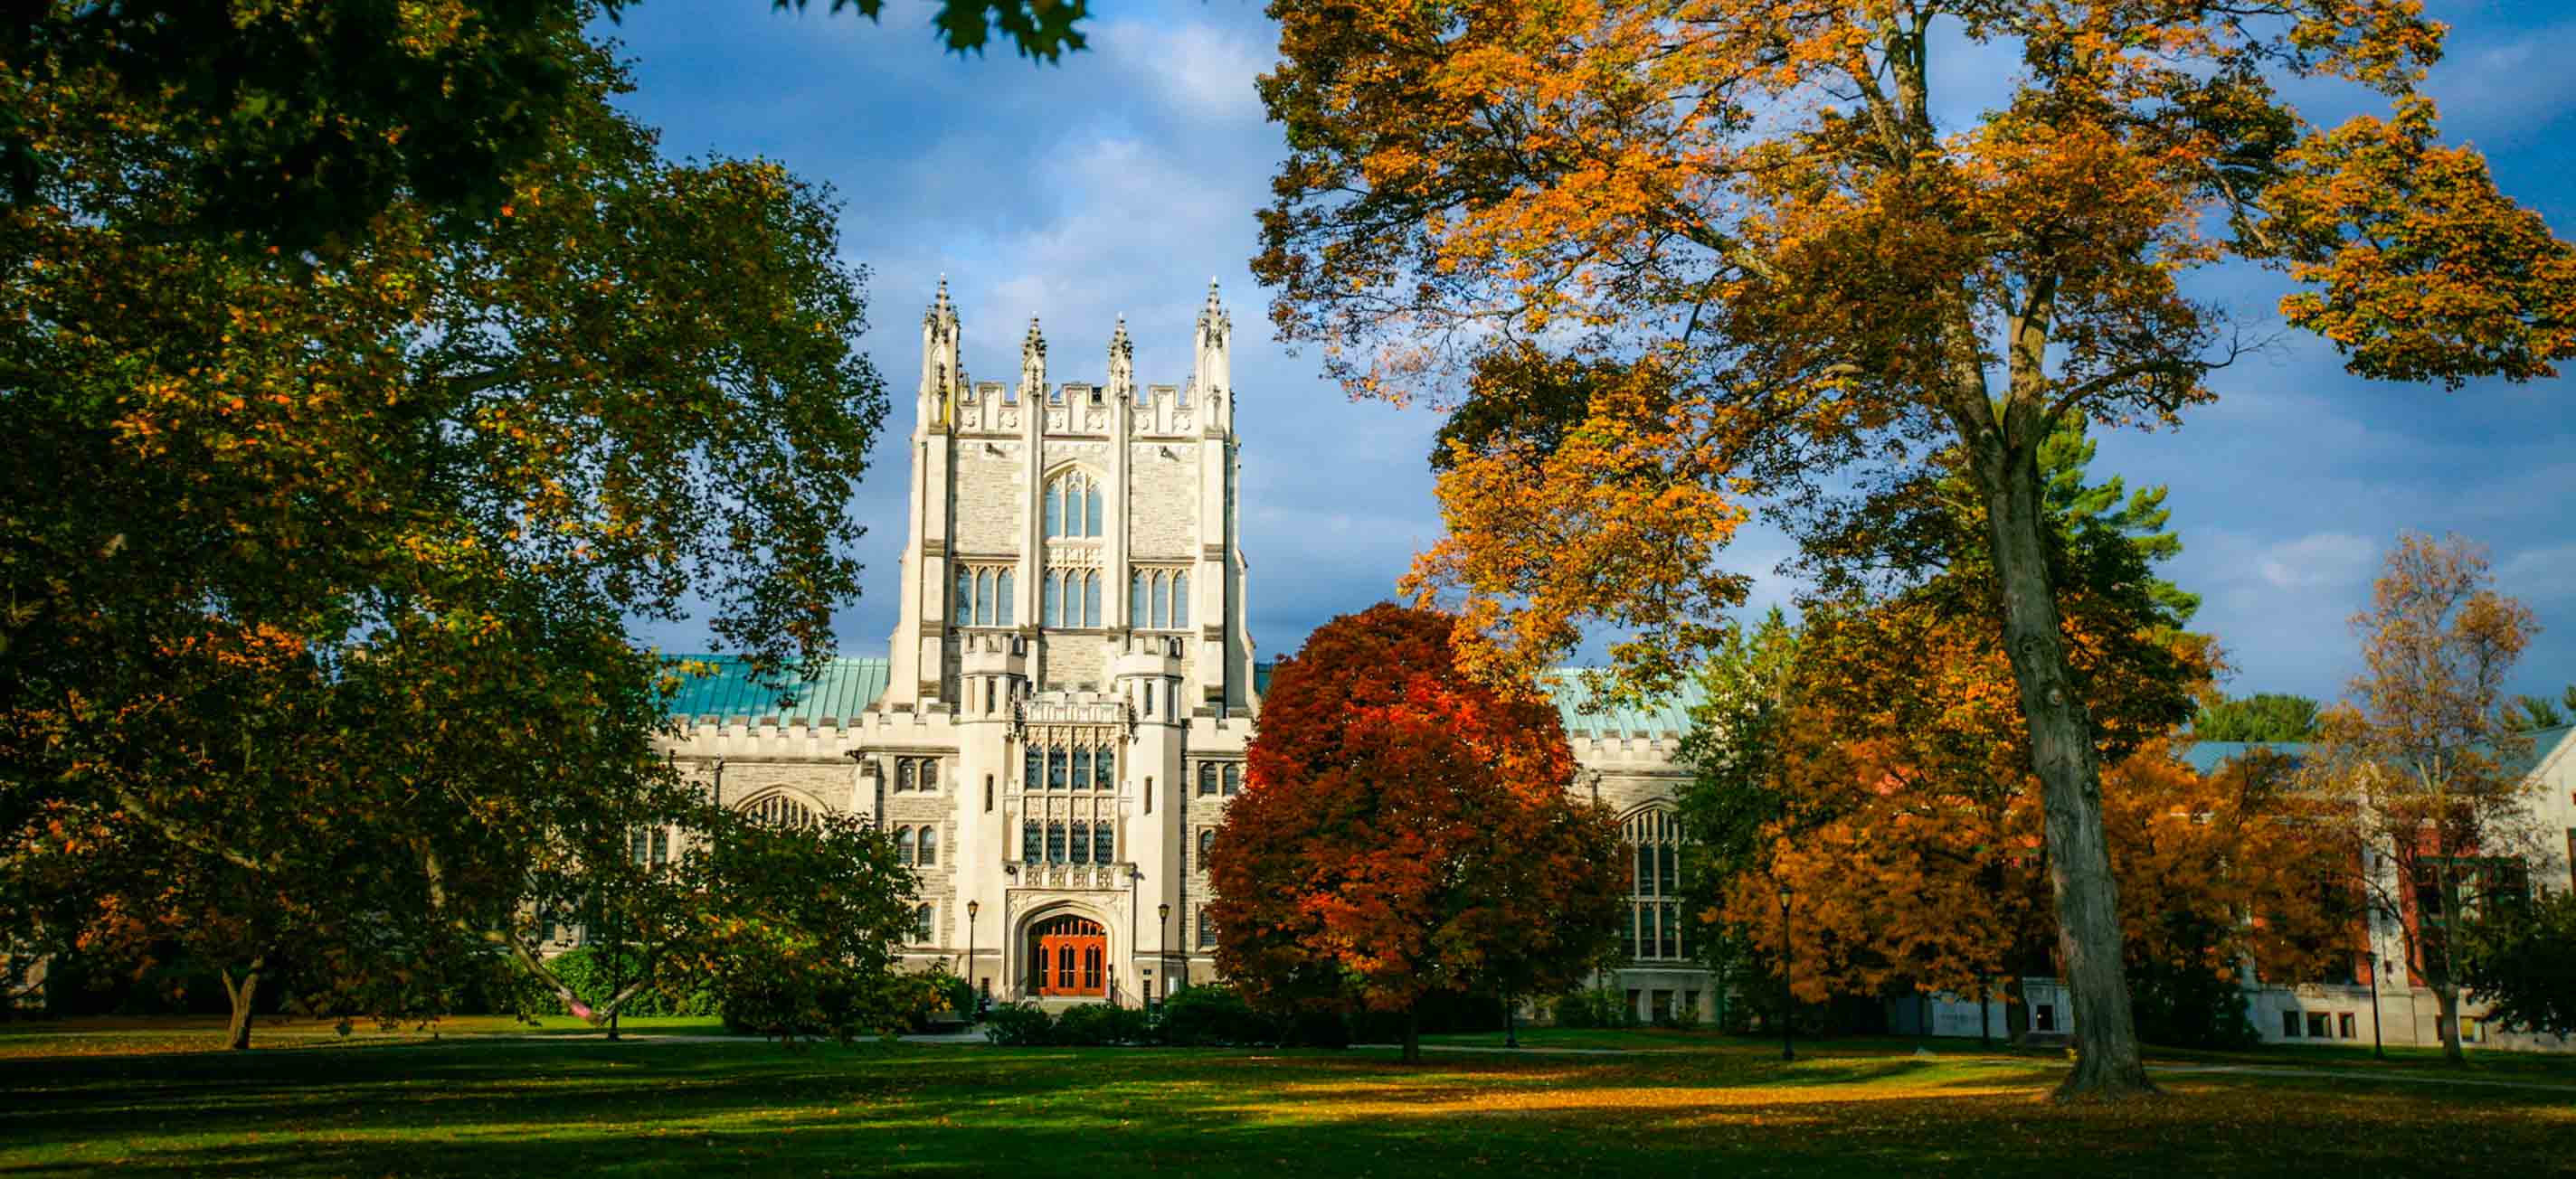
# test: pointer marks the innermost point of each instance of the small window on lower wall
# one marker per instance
(2290, 1025)
(2317, 1026)
(2343, 1024)
(921, 925)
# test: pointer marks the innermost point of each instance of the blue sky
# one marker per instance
(1120, 181)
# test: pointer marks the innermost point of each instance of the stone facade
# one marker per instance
(1070, 684)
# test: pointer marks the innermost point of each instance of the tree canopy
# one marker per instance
(295, 126)
(318, 576)
(1784, 282)
(2263, 716)
(1405, 830)
(2418, 775)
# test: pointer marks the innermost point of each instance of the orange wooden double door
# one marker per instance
(1072, 957)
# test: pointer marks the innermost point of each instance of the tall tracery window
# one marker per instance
(983, 596)
(1653, 929)
(1073, 505)
(1158, 599)
(1071, 597)
(1055, 843)
(1104, 843)
(1032, 842)
(650, 846)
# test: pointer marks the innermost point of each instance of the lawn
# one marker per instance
(154, 1100)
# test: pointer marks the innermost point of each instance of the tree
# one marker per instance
(2263, 716)
(2418, 770)
(1405, 831)
(328, 642)
(1777, 275)
(2532, 713)
(297, 125)
(1737, 748)
(2521, 960)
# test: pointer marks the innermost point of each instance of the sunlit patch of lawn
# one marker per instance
(386, 1104)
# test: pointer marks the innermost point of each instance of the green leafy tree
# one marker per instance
(2531, 713)
(2520, 959)
(326, 640)
(295, 126)
(1734, 795)
(2263, 716)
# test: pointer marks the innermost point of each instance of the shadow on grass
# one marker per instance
(684, 1109)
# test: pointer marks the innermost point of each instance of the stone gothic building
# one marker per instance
(1061, 717)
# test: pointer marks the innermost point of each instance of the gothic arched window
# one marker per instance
(1180, 599)
(1073, 505)
(1207, 843)
(929, 847)
(1653, 927)
(903, 852)
(778, 810)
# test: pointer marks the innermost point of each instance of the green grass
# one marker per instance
(2542, 1067)
(147, 1100)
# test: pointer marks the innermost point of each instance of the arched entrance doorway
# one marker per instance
(1068, 955)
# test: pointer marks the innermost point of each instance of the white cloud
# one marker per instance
(2543, 574)
(2319, 559)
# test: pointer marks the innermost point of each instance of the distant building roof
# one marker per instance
(840, 691)
(2204, 757)
(1668, 713)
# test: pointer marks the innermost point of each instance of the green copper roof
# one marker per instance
(2204, 757)
(841, 691)
(1669, 713)
(2207, 756)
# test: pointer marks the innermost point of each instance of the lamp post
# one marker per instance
(1787, 1051)
(1171, 981)
(2377, 1048)
(971, 906)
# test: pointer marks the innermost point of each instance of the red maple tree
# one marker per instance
(1406, 830)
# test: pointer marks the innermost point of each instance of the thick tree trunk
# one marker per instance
(244, 996)
(2446, 1005)
(1412, 1037)
(2063, 755)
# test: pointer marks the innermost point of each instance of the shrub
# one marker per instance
(589, 971)
(1214, 1014)
(1019, 1025)
(958, 992)
(1101, 1023)
(1594, 1007)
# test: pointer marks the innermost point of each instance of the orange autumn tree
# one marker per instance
(1406, 830)
(1913, 839)
(1751, 257)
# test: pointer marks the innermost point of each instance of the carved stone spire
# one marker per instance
(1122, 362)
(1033, 362)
